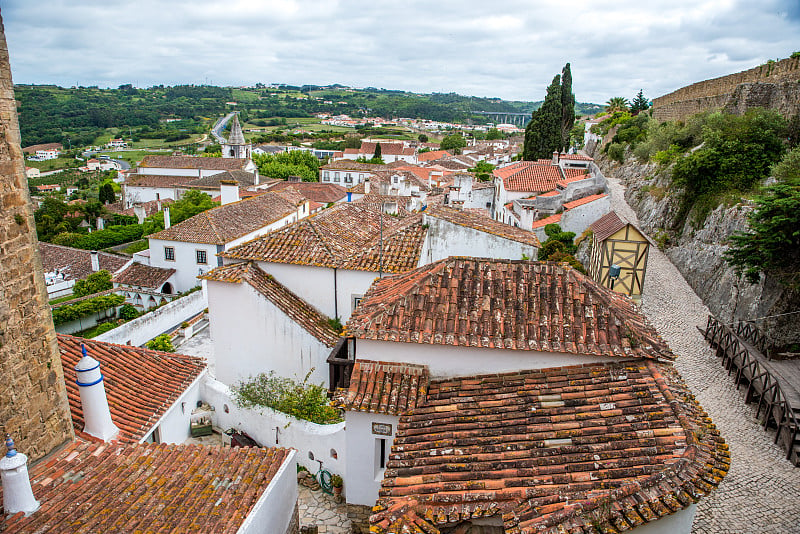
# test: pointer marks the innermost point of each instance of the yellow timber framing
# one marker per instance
(628, 248)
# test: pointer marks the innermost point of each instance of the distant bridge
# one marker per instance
(503, 117)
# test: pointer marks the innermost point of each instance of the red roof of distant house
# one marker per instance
(45, 146)
(547, 220)
(75, 263)
(582, 201)
(434, 154)
(145, 276)
(48, 187)
(141, 384)
(529, 176)
(550, 194)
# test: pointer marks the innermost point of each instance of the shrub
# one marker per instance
(616, 152)
(94, 283)
(128, 312)
(162, 343)
(298, 399)
(103, 328)
(70, 312)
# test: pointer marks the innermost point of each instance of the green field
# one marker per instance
(53, 164)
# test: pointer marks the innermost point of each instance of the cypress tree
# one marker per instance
(543, 133)
(567, 106)
(377, 155)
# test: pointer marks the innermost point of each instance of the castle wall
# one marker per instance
(33, 398)
(782, 77)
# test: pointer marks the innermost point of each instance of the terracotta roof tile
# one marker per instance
(141, 275)
(293, 306)
(74, 263)
(345, 164)
(345, 236)
(569, 449)
(529, 176)
(511, 304)
(607, 225)
(552, 219)
(141, 384)
(483, 223)
(223, 224)
(432, 155)
(323, 193)
(123, 488)
(384, 387)
(579, 157)
(243, 178)
(194, 162)
(582, 201)
(150, 207)
(155, 180)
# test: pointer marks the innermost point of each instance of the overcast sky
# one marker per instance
(508, 49)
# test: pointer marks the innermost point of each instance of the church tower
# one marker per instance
(236, 147)
(34, 407)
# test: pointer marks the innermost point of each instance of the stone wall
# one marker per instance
(359, 518)
(34, 405)
(774, 85)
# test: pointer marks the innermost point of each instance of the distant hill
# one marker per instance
(49, 113)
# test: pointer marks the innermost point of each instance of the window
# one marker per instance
(380, 457)
(395, 179)
(357, 300)
(169, 253)
(336, 177)
(326, 176)
(361, 177)
(201, 256)
(348, 178)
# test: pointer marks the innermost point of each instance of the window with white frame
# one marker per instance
(356, 300)
(201, 256)
(326, 176)
(169, 253)
(336, 177)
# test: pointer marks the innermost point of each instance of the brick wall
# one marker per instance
(717, 92)
(33, 399)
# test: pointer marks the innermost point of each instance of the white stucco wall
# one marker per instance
(185, 262)
(252, 335)
(173, 427)
(265, 425)
(316, 286)
(450, 361)
(135, 194)
(363, 473)
(164, 171)
(578, 219)
(678, 523)
(446, 239)
(142, 329)
(274, 510)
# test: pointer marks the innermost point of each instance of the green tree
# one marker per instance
(162, 343)
(94, 283)
(772, 246)
(543, 133)
(422, 138)
(640, 103)
(567, 106)
(493, 133)
(483, 171)
(617, 103)
(454, 142)
(106, 194)
(298, 399)
(377, 154)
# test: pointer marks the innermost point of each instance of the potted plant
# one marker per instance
(337, 483)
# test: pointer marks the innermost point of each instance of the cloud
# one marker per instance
(510, 49)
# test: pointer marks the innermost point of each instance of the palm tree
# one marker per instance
(617, 103)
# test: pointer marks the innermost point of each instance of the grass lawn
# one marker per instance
(131, 156)
(53, 164)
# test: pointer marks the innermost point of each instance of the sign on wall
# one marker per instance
(382, 429)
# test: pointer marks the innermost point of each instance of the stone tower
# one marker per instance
(236, 147)
(33, 397)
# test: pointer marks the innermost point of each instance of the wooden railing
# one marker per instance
(760, 381)
(750, 332)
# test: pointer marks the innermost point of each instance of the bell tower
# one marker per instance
(236, 147)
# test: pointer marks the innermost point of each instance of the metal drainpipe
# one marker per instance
(335, 296)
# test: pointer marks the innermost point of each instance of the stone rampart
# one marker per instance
(781, 78)
(34, 404)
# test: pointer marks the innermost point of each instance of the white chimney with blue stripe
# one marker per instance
(17, 492)
(96, 414)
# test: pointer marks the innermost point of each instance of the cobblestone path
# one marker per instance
(325, 511)
(761, 493)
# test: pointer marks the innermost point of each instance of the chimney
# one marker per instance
(390, 207)
(366, 186)
(139, 211)
(96, 415)
(95, 261)
(17, 492)
(555, 157)
(166, 218)
(228, 191)
(527, 217)
(294, 179)
(158, 206)
(256, 178)
(101, 223)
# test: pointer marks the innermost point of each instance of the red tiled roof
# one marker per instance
(194, 162)
(483, 223)
(550, 194)
(349, 165)
(541, 223)
(529, 176)
(76, 264)
(594, 448)
(432, 155)
(387, 149)
(314, 322)
(345, 236)
(573, 175)
(324, 193)
(505, 304)
(155, 180)
(126, 489)
(581, 201)
(141, 384)
(150, 207)
(580, 157)
(223, 224)
(45, 146)
(141, 275)
(384, 387)
(607, 225)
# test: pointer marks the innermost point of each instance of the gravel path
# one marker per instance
(762, 490)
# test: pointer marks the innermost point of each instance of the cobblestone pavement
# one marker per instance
(762, 490)
(325, 511)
